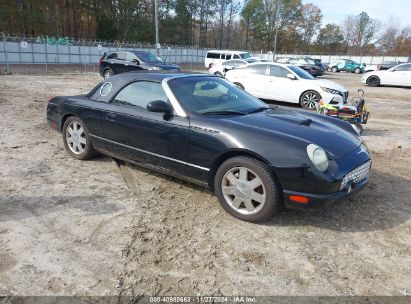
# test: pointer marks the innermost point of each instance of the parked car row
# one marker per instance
(313, 66)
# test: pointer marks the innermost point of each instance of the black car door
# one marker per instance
(132, 132)
(132, 63)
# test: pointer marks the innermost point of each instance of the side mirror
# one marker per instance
(136, 61)
(291, 76)
(159, 106)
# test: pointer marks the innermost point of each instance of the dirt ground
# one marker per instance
(101, 227)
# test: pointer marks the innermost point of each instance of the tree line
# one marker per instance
(289, 26)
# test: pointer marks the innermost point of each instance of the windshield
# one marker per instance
(213, 95)
(300, 72)
(148, 57)
(245, 55)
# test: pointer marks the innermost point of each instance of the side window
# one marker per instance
(228, 56)
(213, 55)
(402, 68)
(257, 69)
(236, 56)
(278, 71)
(140, 93)
(112, 56)
(130, 56)
(121, 56)
(222, 56)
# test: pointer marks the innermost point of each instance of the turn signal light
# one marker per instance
(299, 199)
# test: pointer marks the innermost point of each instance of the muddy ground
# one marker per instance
(101, 227)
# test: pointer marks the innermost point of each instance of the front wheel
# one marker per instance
(76, 139)
(247, 189)
(373, 81)
(357, 71)
(334, 69)
(309, 100)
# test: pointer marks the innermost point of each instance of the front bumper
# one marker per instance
(328, 97)
(316, 201)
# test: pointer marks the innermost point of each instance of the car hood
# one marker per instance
(329, 84)
(302, 126)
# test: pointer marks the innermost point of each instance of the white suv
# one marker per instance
(218, 56)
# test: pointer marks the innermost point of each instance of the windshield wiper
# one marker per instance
(260, 109)
(226, 112)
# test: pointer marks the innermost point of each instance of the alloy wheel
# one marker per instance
(243, 190)
(310, 100)
(76, 137)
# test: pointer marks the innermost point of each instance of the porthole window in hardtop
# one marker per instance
(140, 93)
(106, 88)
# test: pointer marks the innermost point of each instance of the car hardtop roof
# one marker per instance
(268, 62)
(404, 63)
(154, 75)
(225, 51)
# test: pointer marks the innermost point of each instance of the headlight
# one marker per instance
(336, 92)
(154, 68)
(318, 157)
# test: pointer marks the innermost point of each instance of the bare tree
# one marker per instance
(348, 30)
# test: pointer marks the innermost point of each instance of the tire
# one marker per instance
(334, 69)
(236, 191)
(78, 145)
(373, 81)
(309, 99)
(219, 74)
(357, 71)
(108, 73)
(239, 85)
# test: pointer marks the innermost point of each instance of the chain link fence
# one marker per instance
(46, 51)
(49, 50)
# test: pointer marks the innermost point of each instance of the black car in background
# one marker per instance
(204, 129)
(308, 65)
(126, 61)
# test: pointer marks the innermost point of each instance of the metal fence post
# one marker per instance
(45, 52)
(6, 56)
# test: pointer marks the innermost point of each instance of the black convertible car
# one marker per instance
(203, 129)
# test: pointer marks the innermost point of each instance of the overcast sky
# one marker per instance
(334, 11)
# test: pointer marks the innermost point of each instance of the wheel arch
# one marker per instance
(64, 118)
(230, 154)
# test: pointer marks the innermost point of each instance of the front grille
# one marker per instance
(357, 175)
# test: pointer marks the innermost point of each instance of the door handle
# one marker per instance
(111, 117)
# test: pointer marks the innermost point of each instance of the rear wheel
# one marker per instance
(309, 100)
(373, 81)
(77, 139)
(247, 189)
(108, 73)
(334, 69)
